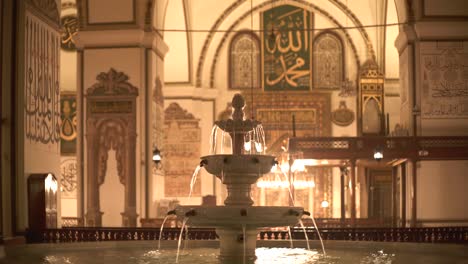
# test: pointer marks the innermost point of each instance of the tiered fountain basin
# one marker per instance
(238, 215)
(237, 222)
(238, 173)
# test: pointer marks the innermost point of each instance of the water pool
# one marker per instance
(268, 252)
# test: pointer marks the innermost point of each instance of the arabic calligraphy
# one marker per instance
(42, 91)
(285, 42)
(444, 80)
(69, 30)
(68, 129)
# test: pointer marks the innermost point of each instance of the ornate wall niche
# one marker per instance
(111, 115)
(328, 58)
(182, 149)
(244, 61)
(371, 103)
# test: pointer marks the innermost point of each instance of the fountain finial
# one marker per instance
(238, 103)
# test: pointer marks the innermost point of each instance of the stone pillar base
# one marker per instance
(129, 218)
(231, 243)
(93, 218)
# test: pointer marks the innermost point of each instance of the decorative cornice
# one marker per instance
(112, 83)
(48, 8)
(175, 112)
(68, 5)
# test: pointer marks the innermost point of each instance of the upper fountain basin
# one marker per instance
(228, 164)
(237, 126)
(235, 216)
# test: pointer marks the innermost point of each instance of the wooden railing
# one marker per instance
(421, 235)
(417, 148)
(426, 235)
(347, 223)
(72, 221)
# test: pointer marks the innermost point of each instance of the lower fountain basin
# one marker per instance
(237, 216)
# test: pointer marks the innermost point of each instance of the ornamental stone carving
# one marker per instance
(112, 83)
(111, 115)
(48, 8)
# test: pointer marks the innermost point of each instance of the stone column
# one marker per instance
(129, 44)
(352, 175)
(342, 194)
(93, 212)
(129, 216)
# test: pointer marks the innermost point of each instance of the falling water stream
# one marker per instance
(290, 237)
(318, 233)
(180, 238)
(194, 179)
(186, 238)
(305, 233)
(214, 132)
(289, 186)
(160, 231)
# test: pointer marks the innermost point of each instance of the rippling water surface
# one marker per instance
(351, 252)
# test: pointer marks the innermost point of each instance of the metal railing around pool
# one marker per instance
(82, 234)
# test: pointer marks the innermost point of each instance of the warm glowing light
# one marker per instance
(247, 146)
(304, 184)
(156, 156)
(258, 146)
(324, 204)
(378, 154)
(51, 183)
(298, 166)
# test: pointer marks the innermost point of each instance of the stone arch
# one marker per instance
(329, 60)
(305, 4)
(244, 48)
(259, 8)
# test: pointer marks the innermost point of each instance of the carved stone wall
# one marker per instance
(275, 111)
(182, 137)
(444, 79)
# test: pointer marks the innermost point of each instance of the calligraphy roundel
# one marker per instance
(342, 116)
(69, 29)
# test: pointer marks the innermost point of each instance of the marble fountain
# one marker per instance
(238, 221)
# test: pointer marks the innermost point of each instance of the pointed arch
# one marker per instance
(328, 59)
(244, 61)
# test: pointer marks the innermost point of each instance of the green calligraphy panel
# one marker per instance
(68, 130)
(286, 49)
